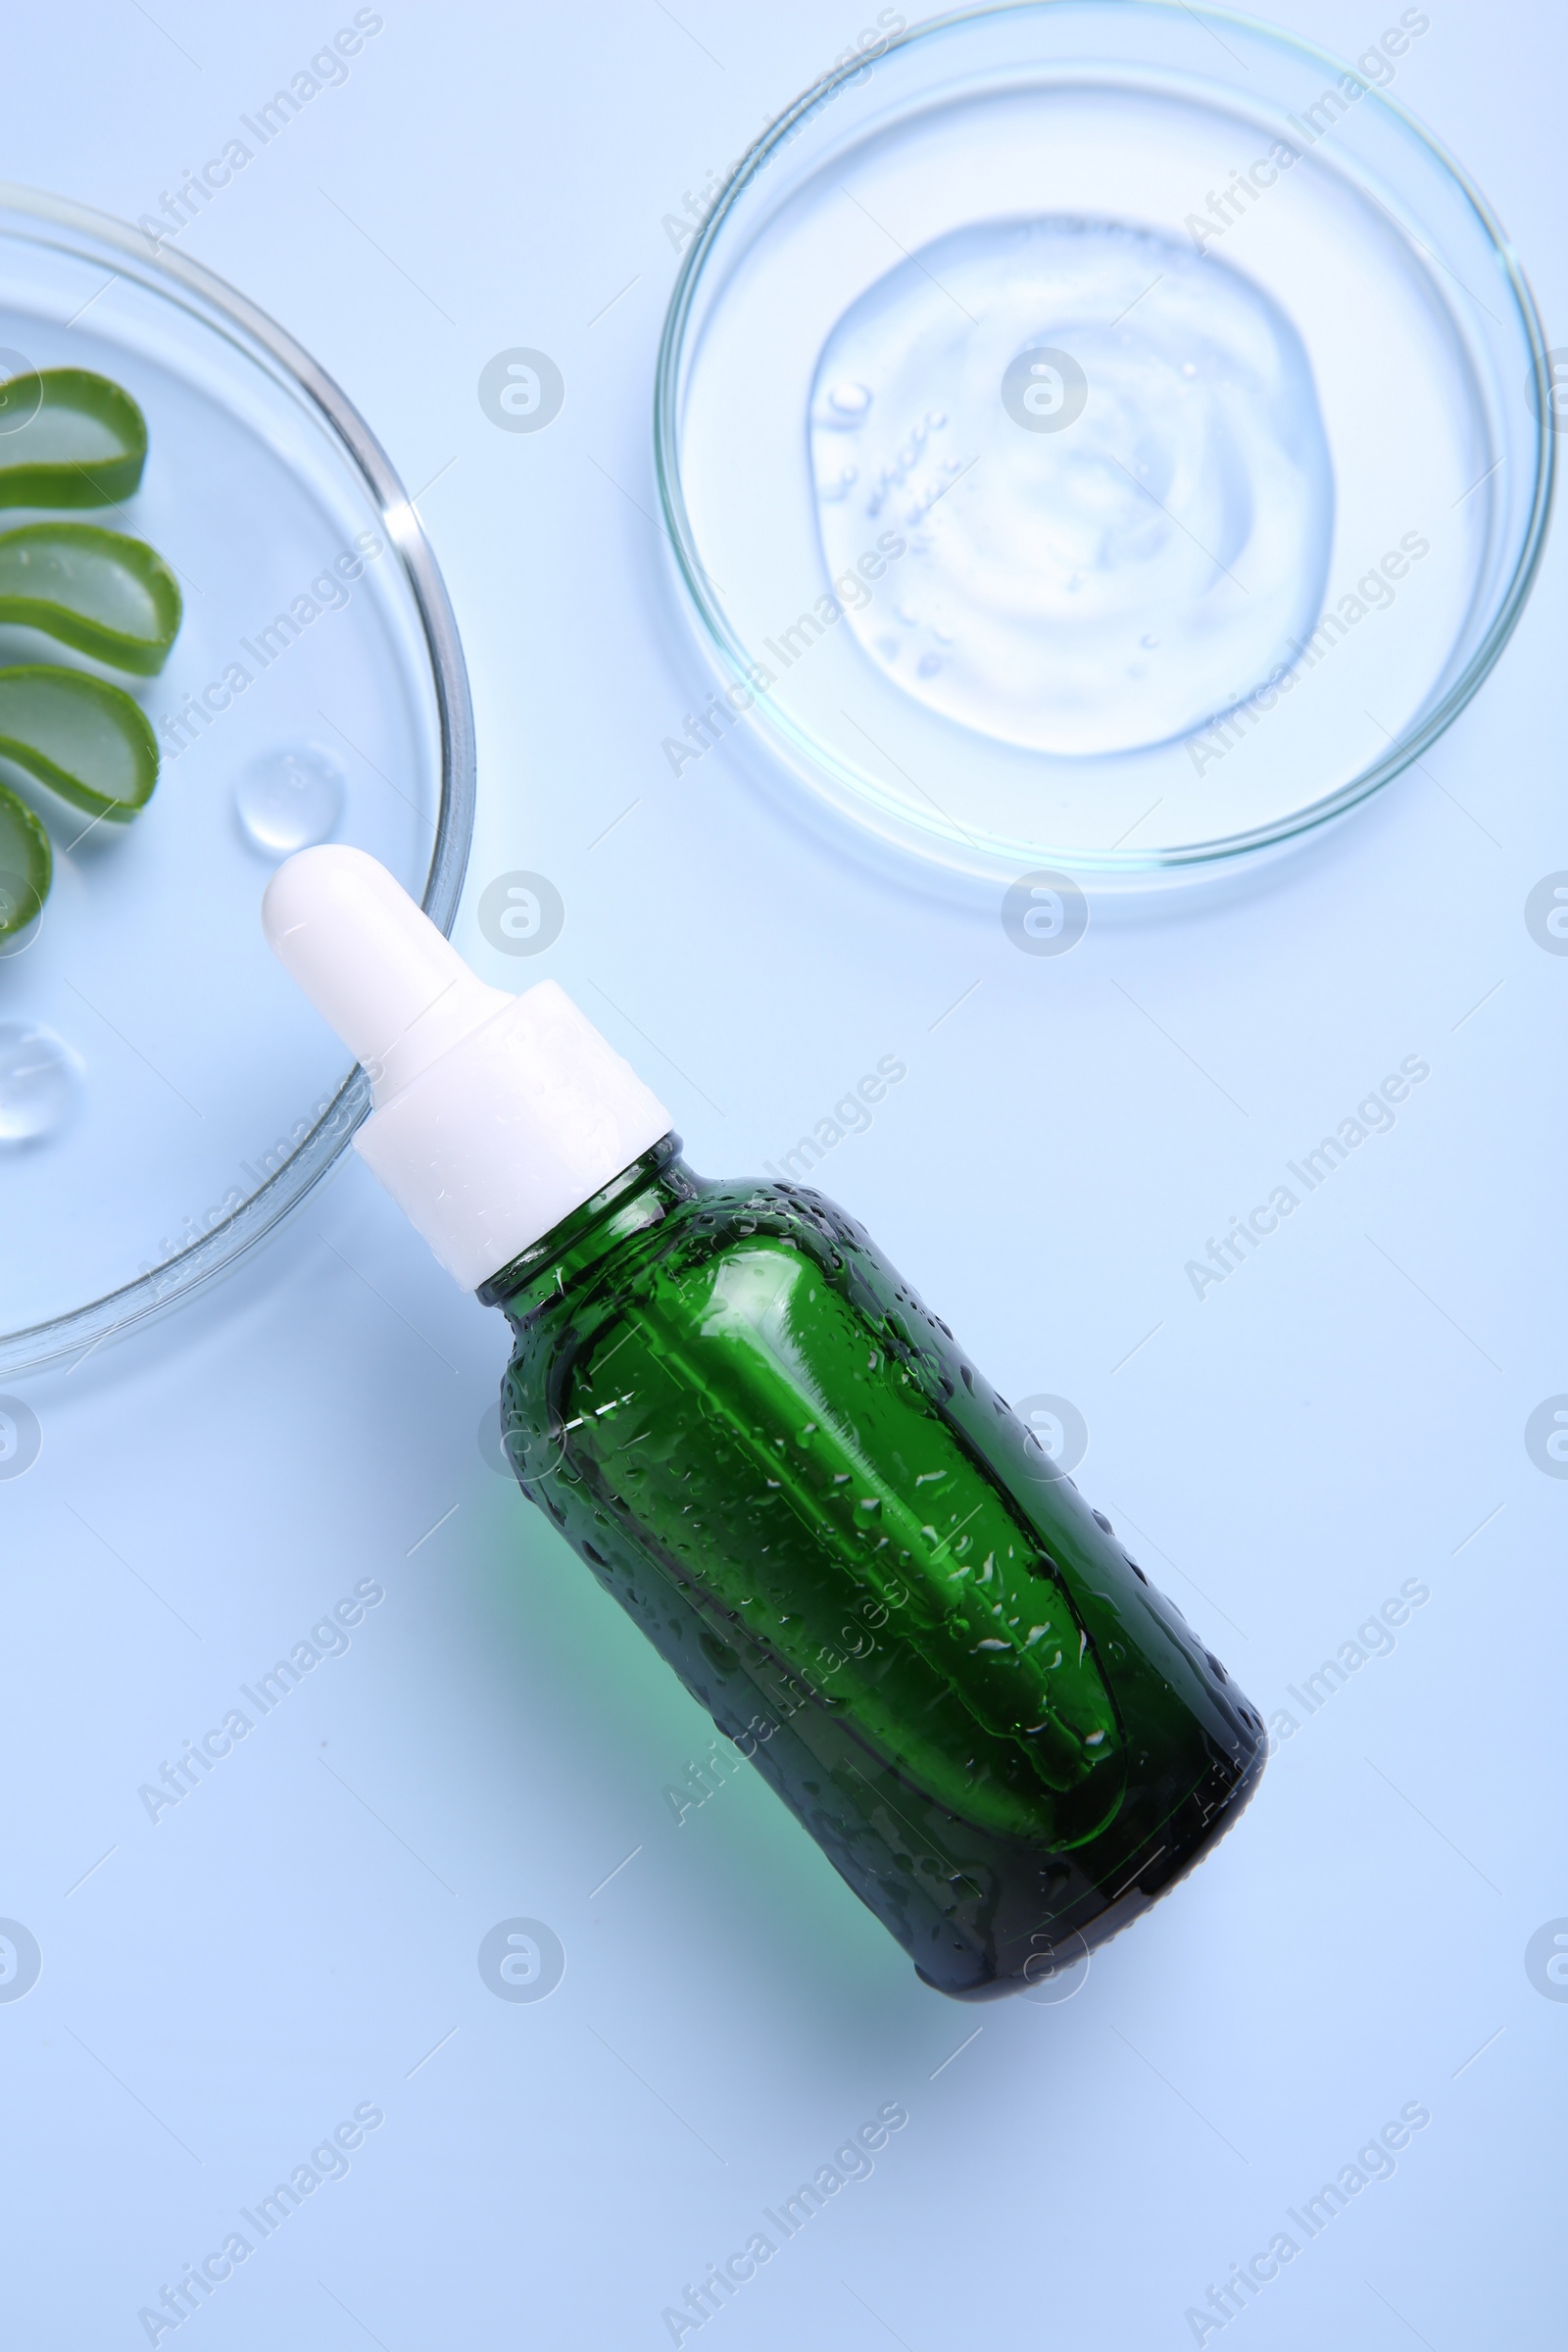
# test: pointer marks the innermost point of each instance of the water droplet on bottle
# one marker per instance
(1149, 643)
(39, 1076)
(289, 800)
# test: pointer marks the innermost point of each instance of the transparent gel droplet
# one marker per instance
(289, 800)
(1111, 556)
(40, 1078)
(846, 406)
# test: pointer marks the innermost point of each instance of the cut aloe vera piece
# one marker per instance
(69, 438)
(106, 595)
(27, 866)
(83, 737)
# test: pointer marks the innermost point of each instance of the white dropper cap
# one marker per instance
(494, 1116)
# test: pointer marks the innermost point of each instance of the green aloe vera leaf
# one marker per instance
(84, 738)
(27, 864)
(106, 595)
(69, 438)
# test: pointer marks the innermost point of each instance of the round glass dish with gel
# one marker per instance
(164, 1098)
(1104, 434)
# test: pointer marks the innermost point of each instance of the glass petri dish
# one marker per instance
(1100, 435)
(165, 1095)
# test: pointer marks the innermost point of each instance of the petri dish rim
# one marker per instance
(929, 846)
(83, 232)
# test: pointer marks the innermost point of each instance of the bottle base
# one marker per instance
(1089, 1920)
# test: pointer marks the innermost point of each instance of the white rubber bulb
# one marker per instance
(495, 1116)
(373, 963)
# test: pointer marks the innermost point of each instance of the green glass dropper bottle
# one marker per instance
(783, 1466)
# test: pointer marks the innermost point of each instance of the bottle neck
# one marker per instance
(641, 1196)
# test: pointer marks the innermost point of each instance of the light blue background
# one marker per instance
(299, 1934)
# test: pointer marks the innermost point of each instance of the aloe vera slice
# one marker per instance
(84, 738)
(27, 866)
(106, 595)
(69, 438)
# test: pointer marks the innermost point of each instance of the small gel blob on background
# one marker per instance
(289, 800)
(40, 1078)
